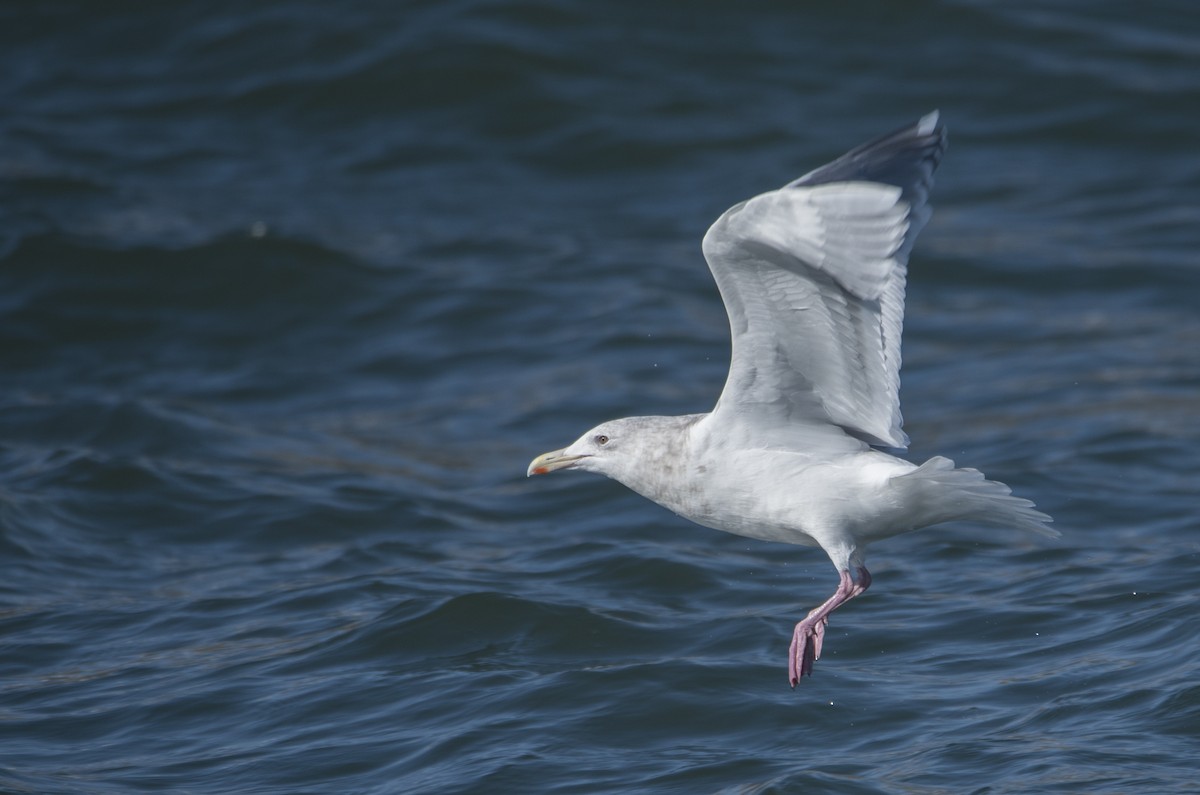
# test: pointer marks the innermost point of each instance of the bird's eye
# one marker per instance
(601, 439)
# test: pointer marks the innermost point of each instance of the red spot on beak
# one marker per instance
(540, 471)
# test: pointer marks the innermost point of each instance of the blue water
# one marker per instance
(291, 292)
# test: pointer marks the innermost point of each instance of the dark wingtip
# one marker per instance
(905, 157)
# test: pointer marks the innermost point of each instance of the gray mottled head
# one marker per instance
(626, 450)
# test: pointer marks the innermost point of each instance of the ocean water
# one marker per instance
(291, 292)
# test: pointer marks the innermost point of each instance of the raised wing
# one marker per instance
(812, 276)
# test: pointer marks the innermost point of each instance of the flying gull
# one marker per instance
(812, 276)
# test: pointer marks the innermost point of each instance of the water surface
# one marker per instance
(291, 293)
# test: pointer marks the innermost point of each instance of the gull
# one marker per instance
(798, 446)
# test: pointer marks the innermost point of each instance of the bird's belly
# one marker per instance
(784, 498)
(742, 507)
(761, 530)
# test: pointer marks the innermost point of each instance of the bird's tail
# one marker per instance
(950, 494)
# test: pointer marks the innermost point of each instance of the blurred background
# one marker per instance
(291, 292)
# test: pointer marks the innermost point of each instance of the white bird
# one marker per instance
(812, 276)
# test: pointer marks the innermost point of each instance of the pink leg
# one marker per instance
(810, 633)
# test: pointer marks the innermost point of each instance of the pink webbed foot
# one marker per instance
(809, 635)
(806, 648)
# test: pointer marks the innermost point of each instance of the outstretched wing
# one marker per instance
(812, 276)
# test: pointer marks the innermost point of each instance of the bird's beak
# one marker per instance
(546, 463)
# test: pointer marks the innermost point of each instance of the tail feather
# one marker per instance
(952, 494)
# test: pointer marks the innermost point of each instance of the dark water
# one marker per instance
(291, 292)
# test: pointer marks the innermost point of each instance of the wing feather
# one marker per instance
(813, 278)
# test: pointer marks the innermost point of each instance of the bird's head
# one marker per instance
(595, 451)
(636, 451)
